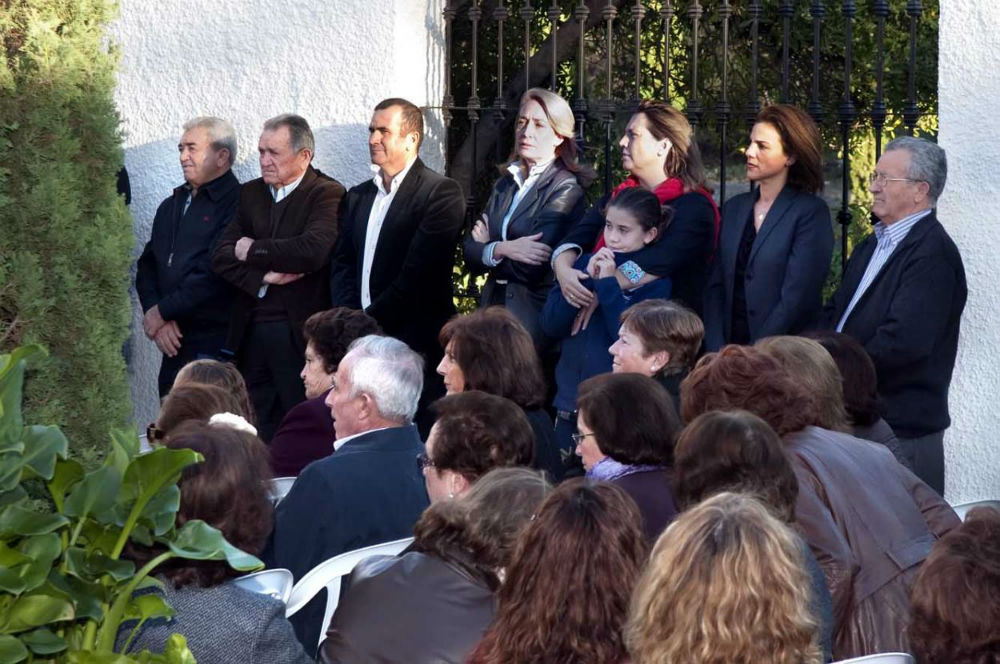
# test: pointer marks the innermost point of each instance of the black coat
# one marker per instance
(788, 265)
(410, 280)
(682, 253)
(175, 269)
(300, 242)
(549, 208)
(908, 321)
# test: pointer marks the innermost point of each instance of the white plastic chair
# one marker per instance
(274, 582)
(962, 510)
(280, 486)
(328, 574)
(882, 658)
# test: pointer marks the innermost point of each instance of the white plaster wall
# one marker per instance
(248, 60)
(968, 90)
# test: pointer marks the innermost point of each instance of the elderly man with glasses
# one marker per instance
(902, 297)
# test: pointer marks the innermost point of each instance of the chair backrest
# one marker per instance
(274, 582)
(962, 509)
(280, 486)
(883, 658)
(328, 574)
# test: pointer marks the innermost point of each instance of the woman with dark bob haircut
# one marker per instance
(566, 593)
(306, 432)
(228, 490)
(956, 598)
(627, 425)
(439, 595)
(737, 451)
(776, 241)
(860, 383)
(491, 351)
(868, 520)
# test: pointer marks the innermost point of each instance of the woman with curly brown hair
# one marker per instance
(868, 520)
(222, 623)
(432, 604)
(490, 350)
(724, 584)
(566, 592)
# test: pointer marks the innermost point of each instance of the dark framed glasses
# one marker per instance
(423, 462)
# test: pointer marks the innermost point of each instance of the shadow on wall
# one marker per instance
(154, 171)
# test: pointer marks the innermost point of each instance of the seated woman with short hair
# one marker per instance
(490, 350)
(627, 426)
(566, 592)
(222, 623)
(725, 583)
(660, 339)
(220, 374)
(194, 401)
(432, 604)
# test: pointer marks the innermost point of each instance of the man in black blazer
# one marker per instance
(276, 251)
(902, 296)
(370, 490)
(398, 234)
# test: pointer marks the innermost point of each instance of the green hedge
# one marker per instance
(65, 234)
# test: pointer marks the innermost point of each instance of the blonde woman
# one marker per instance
(533, 205)
(725, 584)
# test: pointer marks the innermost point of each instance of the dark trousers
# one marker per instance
(271, 360)
(926, 457)
(194, 346)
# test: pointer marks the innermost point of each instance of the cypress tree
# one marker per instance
(65, 234)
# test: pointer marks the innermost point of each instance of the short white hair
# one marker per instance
(390, 372)
(220, 133)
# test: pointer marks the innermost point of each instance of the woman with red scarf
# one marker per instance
(661, 156)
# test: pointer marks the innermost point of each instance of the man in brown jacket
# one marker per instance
(276, 251)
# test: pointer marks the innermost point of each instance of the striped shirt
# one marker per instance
(887, 238)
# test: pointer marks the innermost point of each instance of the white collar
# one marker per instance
(515, 169)
(396, 179)
(284, 192)
(340, 442)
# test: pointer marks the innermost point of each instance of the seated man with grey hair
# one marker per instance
(277, 253)
(902, 298)
(185, 305)
(370, 490)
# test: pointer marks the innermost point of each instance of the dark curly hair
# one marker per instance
(566, 595)
(496, 355)
(228, 490)
(745, 378)
(330, 332)
(632, 417)
(475, 432)
(955, 615)
(733, 451)
(479, 530)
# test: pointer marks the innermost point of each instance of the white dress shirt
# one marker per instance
(281, 193)
(380, 206)
(340, 442)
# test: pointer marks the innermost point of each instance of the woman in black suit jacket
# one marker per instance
(531, 208)
(776, 242)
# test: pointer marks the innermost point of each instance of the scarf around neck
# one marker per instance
(607, 469)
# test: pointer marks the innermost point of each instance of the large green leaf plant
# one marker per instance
(65, 589)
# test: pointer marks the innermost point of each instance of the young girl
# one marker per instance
(634, 219)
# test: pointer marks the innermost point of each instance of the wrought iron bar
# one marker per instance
(722, 109)
(608, 107)
(554, 14)
(473, 106)
(694, 107)
(911, 112)
(580, 106)
(753, 103)
(638, 12)
(785, 11)
(881, 10)
(846, 117)
(500, 15)
(527, 12)
(667, 16)
(447, 101)
(818, 11)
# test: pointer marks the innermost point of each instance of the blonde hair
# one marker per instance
(563, 122)
(812, 366)
(725, 584)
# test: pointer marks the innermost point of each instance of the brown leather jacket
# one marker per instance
(870, 523)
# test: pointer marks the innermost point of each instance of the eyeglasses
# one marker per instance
(154, 433)
(578, 437)
(423, 462)
(880, 179)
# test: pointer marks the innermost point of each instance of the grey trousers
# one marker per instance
(926, 455)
